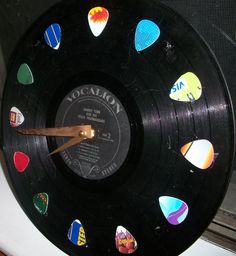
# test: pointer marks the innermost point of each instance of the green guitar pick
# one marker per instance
(25, 75)
(41, 202)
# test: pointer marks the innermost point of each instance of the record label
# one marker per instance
(103, 155)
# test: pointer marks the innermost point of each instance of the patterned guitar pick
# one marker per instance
(125, 242)
(147, 33)
(174, 209)
(76, 233)
(187, 88)
(200, 153)
(52, 36)
(98, 18)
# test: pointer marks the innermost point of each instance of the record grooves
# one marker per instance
(152, 177)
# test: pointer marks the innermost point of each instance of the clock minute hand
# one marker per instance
(87, 133)
(67, 131)
(69, 143)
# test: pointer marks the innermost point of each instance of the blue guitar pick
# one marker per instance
(52, 36)
(174, 209)
(147, 33)
(76, 233)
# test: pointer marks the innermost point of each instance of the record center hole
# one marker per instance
(84, 133)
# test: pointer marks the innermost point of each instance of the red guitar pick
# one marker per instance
(21, 161)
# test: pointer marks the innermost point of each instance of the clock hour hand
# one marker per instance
(67, 131)
(78, 132)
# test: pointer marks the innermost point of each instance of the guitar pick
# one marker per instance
(200, 153)
(21, 161)
(52, 36)
(187, 88)
(25, 75)
(97, 19)
(147, 33)
(174, 209)
(40, 202)
(16, 117)
(125, 242)
(76, 233)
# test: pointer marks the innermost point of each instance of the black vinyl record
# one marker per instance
(154, 174)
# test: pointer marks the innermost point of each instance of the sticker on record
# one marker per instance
(16, 117)
(21, 161)
(200, 153)
(174, 209)
(125, 242)
(25, 75)
(97, 19)
(76, 233)
(187, 88)
(147, 33)
(52, 36)
(40, 202)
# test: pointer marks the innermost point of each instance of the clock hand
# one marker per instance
(67, 131)
(79, 132)
(87, 133)
(69, 143)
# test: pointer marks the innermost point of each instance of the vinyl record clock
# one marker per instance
(118, 129)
